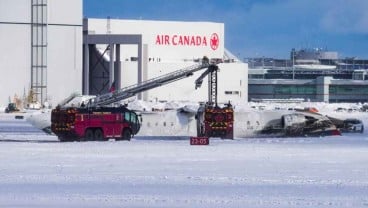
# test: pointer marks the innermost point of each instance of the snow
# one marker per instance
(38, 171)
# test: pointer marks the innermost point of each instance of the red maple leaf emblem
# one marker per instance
(214, 41)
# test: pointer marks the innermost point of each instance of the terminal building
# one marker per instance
(52, 52)
(311, 75)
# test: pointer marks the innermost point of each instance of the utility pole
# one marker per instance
(293, 59)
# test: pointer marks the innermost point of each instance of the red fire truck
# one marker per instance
(213, 120)
(96, 123)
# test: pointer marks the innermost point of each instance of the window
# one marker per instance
(295, 89)
(130, 117)
(232, 92)
(348, 90)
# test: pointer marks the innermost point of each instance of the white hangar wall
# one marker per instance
(15, 59)
(172, 45)
(231, 84)
(64, 48)
(168, 40)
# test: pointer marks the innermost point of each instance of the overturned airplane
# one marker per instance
(248, 123)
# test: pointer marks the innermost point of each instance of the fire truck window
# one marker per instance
(133, 118)
(127, 116)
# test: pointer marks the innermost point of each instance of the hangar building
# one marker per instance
(51, 50)
(41, 45)
(166, 46)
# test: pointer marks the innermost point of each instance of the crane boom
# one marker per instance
(132, 90)
(211, 72)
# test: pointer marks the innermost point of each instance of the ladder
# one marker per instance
(132, 90)
(211, 72)
(39, 50)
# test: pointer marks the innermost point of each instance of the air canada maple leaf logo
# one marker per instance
(214, 41)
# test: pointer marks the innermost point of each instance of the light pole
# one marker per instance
(293, 57)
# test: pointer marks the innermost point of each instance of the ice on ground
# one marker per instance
(37, 171)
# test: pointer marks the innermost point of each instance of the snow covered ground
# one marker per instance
(38, 171)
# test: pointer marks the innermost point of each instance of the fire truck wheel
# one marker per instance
(89, 135)
(126, 135)
(99, 135)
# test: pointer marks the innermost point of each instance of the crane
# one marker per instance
(212, 120)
